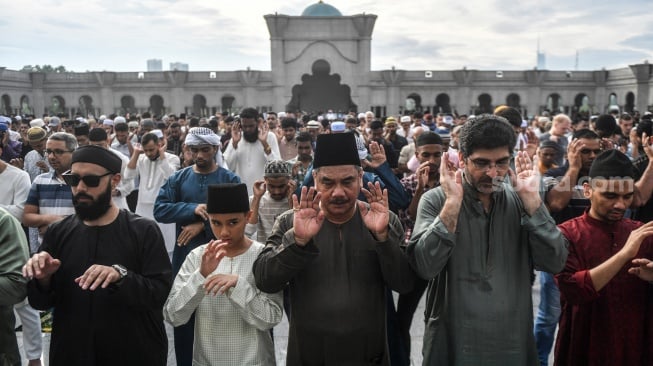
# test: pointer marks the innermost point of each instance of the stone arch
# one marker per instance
(442, 103)
(227, 102)
(5, 105)
(484, 104)
(554, 103)
(157, 107)
(57, 105)
(630, 102)
(127, 104)
(86, 106)
(413, 103)
(199, 105)
(582, 104)
(513, 100)
(321, 91)
(25, 108)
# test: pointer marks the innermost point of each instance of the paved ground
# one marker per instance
(281, 336)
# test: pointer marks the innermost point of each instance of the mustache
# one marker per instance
(82, 195)
(339, 201)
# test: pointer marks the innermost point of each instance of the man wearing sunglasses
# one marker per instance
(477, 238)
(105, 271)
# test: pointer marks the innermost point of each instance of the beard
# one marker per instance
(251, 136)
(94, 209)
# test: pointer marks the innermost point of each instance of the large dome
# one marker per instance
(321, 10)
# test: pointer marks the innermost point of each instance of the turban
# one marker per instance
(99, 156)
(201, 136)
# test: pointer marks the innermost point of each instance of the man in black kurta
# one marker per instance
(337, 255)
(105, 271)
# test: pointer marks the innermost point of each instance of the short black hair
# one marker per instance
(486, 131)
(150, 136)
(175, 125)
(511, 114)
(428, 138)
(304, 137)
(584, 134)
(121, 127)
(645, 126)
(249, 113)
(289, 122)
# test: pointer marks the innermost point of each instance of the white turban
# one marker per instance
(202, 136)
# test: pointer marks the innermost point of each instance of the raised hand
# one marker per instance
(646, 144)
(526, 181)
(41, 266)
(259, 188)
(162, 149)
(643, 269)
(213, 254)
(308, 217)
(377, 216)
(423, 174)
(236, 134)
(451, 179)
(377, 153)
(263, 132)
(573, 153)
(292, 186)
(219, 283)
(188, 232)
(96, 276)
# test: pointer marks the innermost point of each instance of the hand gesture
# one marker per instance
(646, 144)
(451, 179)
(162, 149)
(219, 283)
(42, 165)
(292, 186)
(308, 217)
(188, 232)
(138, 148)
(279, 132)
(263, 132)
(18, 163)
(526, 181)
(633, 137)
(295, 168)
(377, 216)
(200, 210)
(41, 266)
(259, 188)
(236, 134)
(644, 269)
(97, 275)
(377, 152)
(635, 239)
(573, 154)
(213, 254)
(607, 144)
(423, 175)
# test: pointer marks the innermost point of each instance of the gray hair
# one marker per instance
(69, 139)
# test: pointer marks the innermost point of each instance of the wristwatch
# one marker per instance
(122, 271)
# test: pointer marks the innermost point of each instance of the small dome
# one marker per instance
(321, 10)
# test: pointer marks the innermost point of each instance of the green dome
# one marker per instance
(321, 10)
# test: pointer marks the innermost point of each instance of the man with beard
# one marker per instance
(476, 238)
(120, 141)
(182, 201)
(153, 165)
(337, 255)
(174, 141)
(105, 271)
(50, 198)
(272, 197)
(247, 158)
(606, 310)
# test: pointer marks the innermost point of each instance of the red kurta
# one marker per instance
(613, 326)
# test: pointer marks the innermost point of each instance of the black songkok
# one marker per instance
(99, 156)
(81, 130)
(336, 149)
(612, 164)
(227, 198)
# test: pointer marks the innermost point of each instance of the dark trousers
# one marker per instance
(396, 346)
(406, 307)
(9, 354)
(184, 337)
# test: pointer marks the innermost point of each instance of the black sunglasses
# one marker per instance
(89, 180)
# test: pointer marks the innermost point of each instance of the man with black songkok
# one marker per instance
(182, 200)
(337, 255)
(105, 271)
(606, 310)
(216, 282)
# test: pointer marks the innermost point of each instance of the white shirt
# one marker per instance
(232, 328)
(248, 160)
(30, 166)
(15, 185)
(153, 175)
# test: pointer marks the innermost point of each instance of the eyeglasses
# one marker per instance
(589, 151)
(485, 165)
(56, 152)
(89, 180)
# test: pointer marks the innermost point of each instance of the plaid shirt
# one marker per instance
(410, 185)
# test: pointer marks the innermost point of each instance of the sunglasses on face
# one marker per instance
(89, 180)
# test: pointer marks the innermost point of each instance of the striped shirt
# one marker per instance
(52, 196)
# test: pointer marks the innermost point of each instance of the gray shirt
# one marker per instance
(487, 314)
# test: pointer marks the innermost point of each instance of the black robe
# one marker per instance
(119, 325)
(337, 285)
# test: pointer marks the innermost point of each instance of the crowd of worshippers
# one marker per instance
(220, 225)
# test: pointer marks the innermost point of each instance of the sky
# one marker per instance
(97, 35)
